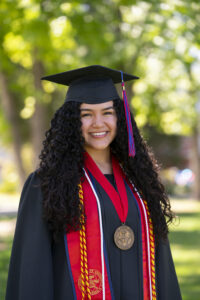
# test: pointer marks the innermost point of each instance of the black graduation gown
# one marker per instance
(38, 266)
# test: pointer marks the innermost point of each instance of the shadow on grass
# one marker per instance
(186, 246)
(190, 287)
(189, 214)
(186, 239)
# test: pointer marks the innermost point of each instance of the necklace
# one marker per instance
(124, 235)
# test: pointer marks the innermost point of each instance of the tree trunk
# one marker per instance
(38, 120)
(196, 163)
(8, 105)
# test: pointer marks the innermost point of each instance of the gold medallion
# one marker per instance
(124, 237)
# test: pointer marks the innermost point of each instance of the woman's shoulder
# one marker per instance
(31, 192)
(33, 178)
(33, 181)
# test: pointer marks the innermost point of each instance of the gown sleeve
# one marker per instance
(167, 282)
(30, 272)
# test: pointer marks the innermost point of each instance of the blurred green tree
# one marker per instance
(157, 40)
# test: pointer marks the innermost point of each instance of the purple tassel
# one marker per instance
(131, 144)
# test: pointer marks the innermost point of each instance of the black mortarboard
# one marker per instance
(93, 84)
(96, 84)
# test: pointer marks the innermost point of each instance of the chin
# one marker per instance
(97, 147)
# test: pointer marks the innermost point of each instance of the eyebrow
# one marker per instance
(88, 109)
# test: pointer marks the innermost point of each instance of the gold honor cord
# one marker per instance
(152, 253)
(85, 289)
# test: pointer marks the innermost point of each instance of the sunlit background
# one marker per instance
(158, 41)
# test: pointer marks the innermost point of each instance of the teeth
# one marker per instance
(98, 133)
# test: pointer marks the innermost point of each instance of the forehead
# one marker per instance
(98, 106)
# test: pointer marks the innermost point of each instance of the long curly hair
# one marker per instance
(61, 163)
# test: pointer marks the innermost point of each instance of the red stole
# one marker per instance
(94, 238)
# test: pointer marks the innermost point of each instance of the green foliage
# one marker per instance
(9, 177)
(4, 129)
(157, 40)
(8, 187)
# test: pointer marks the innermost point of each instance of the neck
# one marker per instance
(102, 158)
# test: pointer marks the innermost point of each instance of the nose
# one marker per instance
(97, 121)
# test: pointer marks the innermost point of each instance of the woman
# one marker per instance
(98, 186)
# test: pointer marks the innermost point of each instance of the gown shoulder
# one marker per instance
(30, 272)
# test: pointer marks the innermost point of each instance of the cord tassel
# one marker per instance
(131, 144)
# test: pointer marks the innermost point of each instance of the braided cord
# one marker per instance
(85, 289)
(152, 252)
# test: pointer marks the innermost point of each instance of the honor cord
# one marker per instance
(148, 246)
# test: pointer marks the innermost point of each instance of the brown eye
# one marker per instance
(85, 115)
(108, 113)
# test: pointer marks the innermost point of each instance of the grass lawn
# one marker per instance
(185, 245)
(6, 236)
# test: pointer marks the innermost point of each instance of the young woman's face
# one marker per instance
(99, 125)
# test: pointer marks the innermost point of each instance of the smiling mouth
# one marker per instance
(99, 134)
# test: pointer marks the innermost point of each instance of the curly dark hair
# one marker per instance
(61, 164)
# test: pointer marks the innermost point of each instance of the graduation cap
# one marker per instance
(93, 85)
